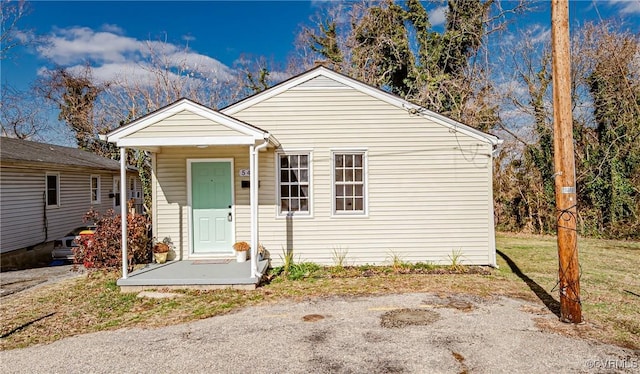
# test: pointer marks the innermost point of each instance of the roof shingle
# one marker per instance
(27, 151)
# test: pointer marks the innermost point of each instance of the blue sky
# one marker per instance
(107, 33)
(114, 36)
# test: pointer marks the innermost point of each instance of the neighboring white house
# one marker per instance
(46, 189)
(319, 164)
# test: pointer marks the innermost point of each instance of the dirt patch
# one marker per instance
(554, 325)
(408, 317)
(460, 359)
(312, 317)
(460, 302)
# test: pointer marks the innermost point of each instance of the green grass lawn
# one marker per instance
(610, 287)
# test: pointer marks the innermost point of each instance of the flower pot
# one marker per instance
(241, 256)
(160, 258)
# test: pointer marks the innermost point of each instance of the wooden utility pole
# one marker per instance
(564, 165)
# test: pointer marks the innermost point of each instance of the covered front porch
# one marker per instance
(204, 182)
(194, 274)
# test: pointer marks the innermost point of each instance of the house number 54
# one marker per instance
(244, 172)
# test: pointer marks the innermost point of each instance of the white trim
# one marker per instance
(187, 141)
(365, 178)
(123, 211)
(366, 89)
(46, 190)
(491, 226)
(98, 189)
(292, 152)
(114, 184)
(177, 107)
(131, 192)
(154, 200)
(190, 253)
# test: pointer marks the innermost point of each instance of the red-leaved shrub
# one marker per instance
(103, 249)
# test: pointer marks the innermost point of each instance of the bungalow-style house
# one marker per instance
(46, 189)
(322, 165)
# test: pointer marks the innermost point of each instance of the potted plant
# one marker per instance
(241, 249)
(161, 249)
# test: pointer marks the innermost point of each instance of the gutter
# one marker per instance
(254, 167)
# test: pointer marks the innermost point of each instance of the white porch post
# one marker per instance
(253, 207)
(123, 209)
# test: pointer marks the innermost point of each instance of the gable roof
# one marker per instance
(366, 89)
(18, 150)
(181, 105)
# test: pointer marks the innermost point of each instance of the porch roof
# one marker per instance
(187, 123)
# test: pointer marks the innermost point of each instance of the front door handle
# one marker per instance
(229, 217)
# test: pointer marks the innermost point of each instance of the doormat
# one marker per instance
(217, 261)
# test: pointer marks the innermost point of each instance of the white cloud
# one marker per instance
(438, 16)
(279, 76)
(512, 87)
(72, 45)
(115, 29)
(538, 33)
(128, 61)
(626, 6)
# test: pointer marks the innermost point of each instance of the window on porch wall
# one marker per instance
(293, 172)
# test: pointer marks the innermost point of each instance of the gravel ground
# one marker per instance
(339, 335)
(13, 282)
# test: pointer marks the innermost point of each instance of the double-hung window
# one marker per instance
(293, 183)
(95, 189)
(53, 189)
(349, 183)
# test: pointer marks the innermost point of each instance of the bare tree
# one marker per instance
(22, 114)
(11, 36)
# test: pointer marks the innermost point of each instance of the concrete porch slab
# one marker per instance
(188, 274)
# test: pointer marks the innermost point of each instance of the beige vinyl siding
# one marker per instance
(22, 215)
(428, 186)
(321, 82)
(171, 215)
(183, 124)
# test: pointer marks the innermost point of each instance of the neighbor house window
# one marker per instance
(95, 189)
(293, 191)
(53, 189)
(349, 182)
(132, 188)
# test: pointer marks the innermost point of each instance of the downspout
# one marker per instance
(254, 181)
(123, 209)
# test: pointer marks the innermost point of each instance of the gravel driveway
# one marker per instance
(12, 282)
(422, 333)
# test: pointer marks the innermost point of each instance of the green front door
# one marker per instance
(211, 201)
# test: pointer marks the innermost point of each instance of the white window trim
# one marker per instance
(116, 185)
(365, 177)
(98, 188)
(131, 193)
(46, 186)
(299, 214)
